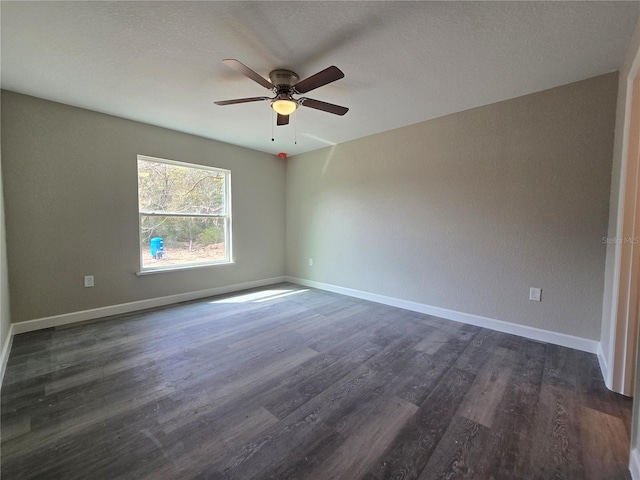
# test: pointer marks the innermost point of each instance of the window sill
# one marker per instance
(192, 266)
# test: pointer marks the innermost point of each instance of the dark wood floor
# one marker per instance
(291, 383)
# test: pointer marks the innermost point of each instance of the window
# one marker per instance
(185, 214)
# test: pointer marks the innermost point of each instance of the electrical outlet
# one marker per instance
(88, 281)
(535, 294)
(311, 262)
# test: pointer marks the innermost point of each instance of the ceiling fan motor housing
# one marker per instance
(283, 79)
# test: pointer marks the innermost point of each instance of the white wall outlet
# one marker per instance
(311, 262)
(88, 281)
(535, 294)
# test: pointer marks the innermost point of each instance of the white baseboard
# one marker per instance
(4, 356)
(604, 367)
(562, 339)
(634, 464)
(84, 315)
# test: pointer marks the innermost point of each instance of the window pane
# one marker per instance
(164, 187)
(170, 241)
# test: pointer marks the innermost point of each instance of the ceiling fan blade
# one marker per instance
(324, 106)
(283, 119)
(241, 100)
(246, 71)
(328, 75)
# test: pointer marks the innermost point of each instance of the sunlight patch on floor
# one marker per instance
(259, 297)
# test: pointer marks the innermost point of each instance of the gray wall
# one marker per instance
(468, 211)
(71, 208)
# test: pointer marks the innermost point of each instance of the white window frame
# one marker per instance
(226, 216)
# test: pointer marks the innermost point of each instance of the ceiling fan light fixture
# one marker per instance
(284, 106)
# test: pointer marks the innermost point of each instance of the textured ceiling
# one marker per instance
(404, 62)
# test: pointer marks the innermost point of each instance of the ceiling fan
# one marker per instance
(284, 84)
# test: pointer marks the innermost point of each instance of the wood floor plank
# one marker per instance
(596, 395)
(231, 412)
(556, 437)
(303, 460)
(14, 427)
(485, 395)
(434, 340)
(117, 361)
(367, 442)
(409, 453)
(274, 447)
(512, 428)
(288, 382)
(605, 443)
(458, 453)
(439, 338)
(476, 353)
(341, 405)
(62, 356)
(293, 397)
(424, 372)
(218, 392)
(213, 445)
